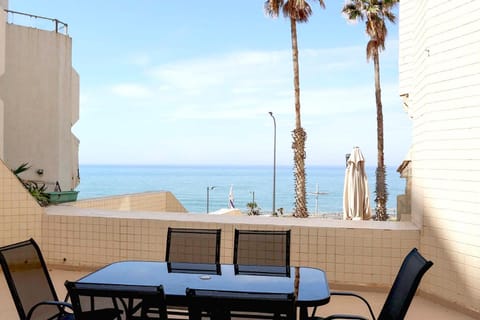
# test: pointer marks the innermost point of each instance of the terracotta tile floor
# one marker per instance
(421, 308)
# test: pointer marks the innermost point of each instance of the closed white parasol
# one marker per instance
(356, 199)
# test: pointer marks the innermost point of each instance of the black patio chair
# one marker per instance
(193, 245)
(95, 301)
(30, 284)
(189, 245)
(401, 294)
(223, 305)
(262, 248)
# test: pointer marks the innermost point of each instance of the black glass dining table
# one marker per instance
(309, 284)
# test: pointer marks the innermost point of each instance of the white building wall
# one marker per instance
(3, 19)
(40, 90)
(440, 73)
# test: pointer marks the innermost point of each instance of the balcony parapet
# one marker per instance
(34, 21)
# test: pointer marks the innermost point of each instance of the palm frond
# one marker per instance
(374, 12)
(272, 7)
(352, 13)
(390, 16)
(372, 49)
(299, 10)
(322, 3)
(377, 30)
(389, 4)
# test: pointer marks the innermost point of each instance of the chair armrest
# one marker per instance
(347, 316)
(60, 304)
(341, 316)
(344, 316)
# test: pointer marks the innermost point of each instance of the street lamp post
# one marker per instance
(208, 195)
(274, 159)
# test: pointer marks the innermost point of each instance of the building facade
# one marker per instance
(40, 93)
(440, 85)
(3, 22)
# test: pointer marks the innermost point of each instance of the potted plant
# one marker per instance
(36, 190)
(59, 196)
(253, 209)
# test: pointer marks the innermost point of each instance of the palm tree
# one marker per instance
(374, 13)
(297, 11)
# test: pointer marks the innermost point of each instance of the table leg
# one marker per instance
(303, 313)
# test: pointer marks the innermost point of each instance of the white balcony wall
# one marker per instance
(40, 90)
(440, 73)
(20, 214)
(3, 19)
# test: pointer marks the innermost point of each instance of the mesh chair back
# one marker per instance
(262, 248)
(93, 301)
(219, 304)
(405, 285)
(193, 245)
(28, 279)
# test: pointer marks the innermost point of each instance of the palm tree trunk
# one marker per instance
(380, 185)
(296, 72)
(299, 135)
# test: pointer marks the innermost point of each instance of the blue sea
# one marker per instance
(189, 184)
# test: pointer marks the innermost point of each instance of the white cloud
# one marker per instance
(131, 90)
(213, 101)
(237, 72)
(241, 85)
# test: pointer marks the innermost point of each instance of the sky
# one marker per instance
(192, 82)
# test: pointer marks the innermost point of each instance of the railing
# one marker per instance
(34, 21)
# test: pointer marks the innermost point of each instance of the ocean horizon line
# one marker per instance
(219, 165)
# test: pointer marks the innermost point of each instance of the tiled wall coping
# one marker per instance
(351, 252)
(232, 219)
(144, 201)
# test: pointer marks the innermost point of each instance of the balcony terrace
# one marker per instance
(421, 308)
(439, 80)
(364, 255)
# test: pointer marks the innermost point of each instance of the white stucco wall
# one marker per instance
(40, 90)
(440, 72)
(3, 19)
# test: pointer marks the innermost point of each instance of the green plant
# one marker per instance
(22, 168)
(253, 209)
(36, 190)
